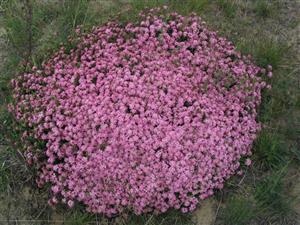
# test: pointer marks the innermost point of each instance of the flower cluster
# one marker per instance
(142, 117)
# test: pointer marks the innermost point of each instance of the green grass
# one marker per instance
(263, 8)
(270, 150)
(238, 211)
(183, 7)
(78, 216)
(173, 217)
(228, 7)
(268, 52)
(271, 199)
(264, 50)
(253, 28)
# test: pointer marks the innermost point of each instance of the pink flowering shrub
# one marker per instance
(146, 116)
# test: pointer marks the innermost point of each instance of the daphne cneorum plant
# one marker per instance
(143, 117)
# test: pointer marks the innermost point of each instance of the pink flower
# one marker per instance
(269, 67)
(70, 203)
(248, 162)
(55, 189)
(270, 74)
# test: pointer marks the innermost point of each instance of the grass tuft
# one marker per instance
(265, 51)
(269, 52)
(269, 150)
(238, 211)
(271, 200)
(228, 7)
(172, 217)
(264, 9)
(77, 217)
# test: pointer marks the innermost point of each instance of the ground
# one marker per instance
(267, 193)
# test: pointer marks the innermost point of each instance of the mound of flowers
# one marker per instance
(143, 117)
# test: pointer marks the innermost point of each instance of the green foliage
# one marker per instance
(263, 8)
(291, 127)
(11, 160)
(51, 24)
(265, 51)
(295, 151)
(15, 24)
(229, 7)
(77, 217)
(173, 217)
(183, 7)
(187, 6)
(4, 171)
(271, 200)
(268, 52)
(238, 211)
(7, 124)
(269, 150)
(279, 101)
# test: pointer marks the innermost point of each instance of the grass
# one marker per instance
(272, 203)
(263, 8)
(269, 150)
(78, 216)
(260, 28)
(265, 51)
(228, 7)
(238, 211)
